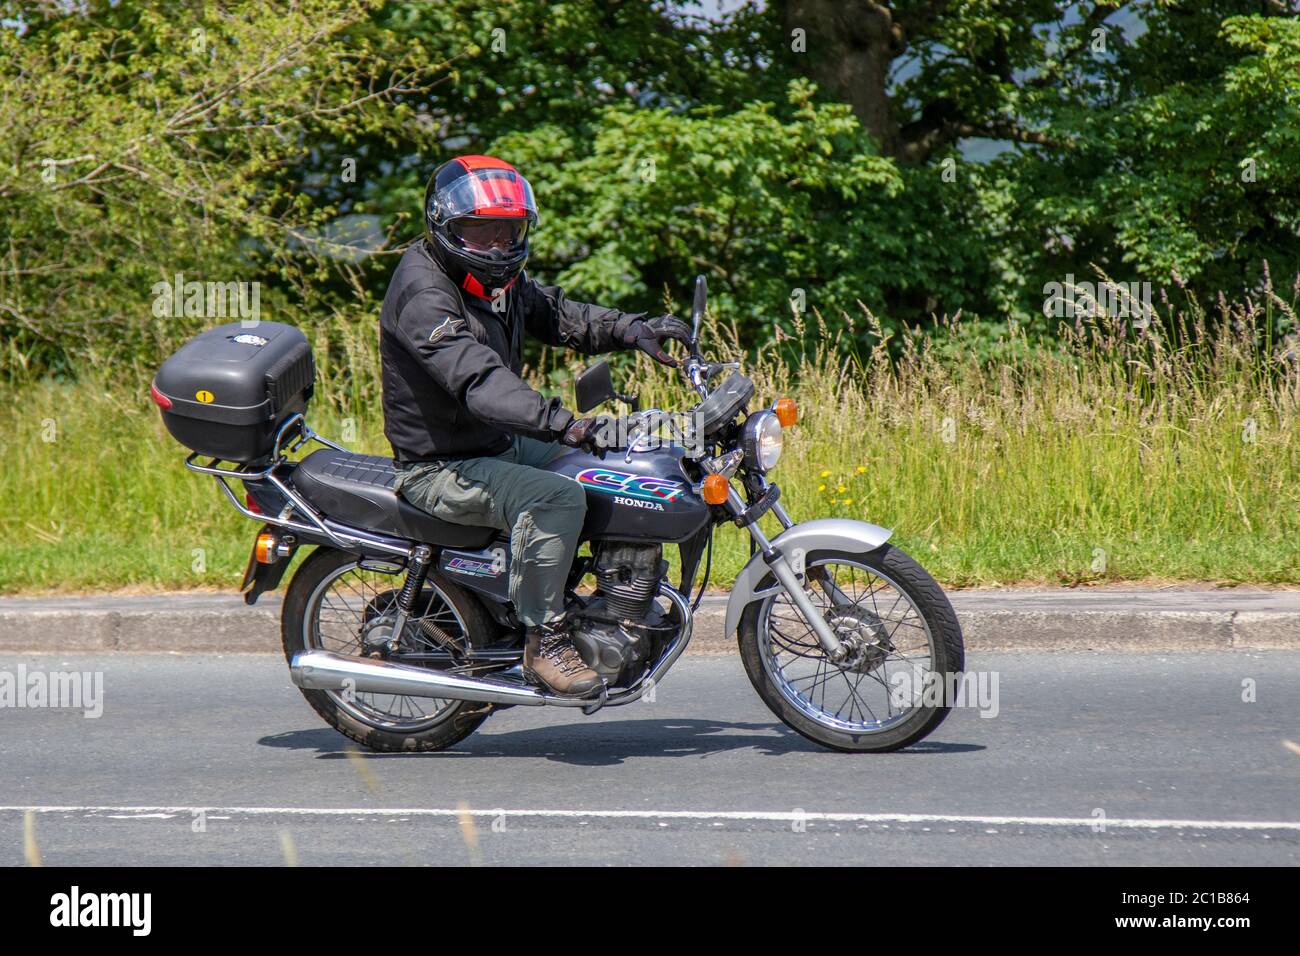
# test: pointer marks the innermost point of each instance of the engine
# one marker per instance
(627, 577)
(621, 627)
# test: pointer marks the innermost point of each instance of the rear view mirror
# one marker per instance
(593, 387)
(697, 308)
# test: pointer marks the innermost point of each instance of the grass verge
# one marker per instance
(1169, 453)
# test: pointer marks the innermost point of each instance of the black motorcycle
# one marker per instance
(399, 630)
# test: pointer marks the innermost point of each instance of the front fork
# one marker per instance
(789, 578)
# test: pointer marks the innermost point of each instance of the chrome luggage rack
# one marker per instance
(317, 524)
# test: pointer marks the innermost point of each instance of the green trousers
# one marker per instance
(542, 512)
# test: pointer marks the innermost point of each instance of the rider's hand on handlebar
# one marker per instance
(581, 433)
(651, 335)
(592, 434)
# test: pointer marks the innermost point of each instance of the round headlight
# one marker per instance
(762, 441)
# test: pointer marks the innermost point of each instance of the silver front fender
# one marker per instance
(823, 534)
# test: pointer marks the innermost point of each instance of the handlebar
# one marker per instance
(698, 373)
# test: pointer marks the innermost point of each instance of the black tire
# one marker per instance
(457, 722)
(946, 647)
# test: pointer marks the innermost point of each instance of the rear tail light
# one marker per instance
(251, 503)
(161, 400)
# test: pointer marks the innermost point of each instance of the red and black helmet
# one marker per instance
(477, 214)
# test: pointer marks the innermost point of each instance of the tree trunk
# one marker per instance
(849, 46)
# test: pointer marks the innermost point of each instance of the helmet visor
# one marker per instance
(484, 235)
(485, 192)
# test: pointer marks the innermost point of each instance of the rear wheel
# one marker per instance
(333, 604)
(903, 639)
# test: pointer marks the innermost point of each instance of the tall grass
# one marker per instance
(1161, 454)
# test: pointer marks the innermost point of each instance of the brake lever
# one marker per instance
(633, 436)
(645, 422)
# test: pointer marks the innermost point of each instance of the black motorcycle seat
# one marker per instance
(360, 490)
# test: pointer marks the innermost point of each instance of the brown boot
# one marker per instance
(551, 661)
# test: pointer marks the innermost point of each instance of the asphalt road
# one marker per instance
(1160, 748)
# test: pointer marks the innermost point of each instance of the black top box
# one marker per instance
(227, 391)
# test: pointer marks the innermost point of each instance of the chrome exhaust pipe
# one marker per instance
(325, 670)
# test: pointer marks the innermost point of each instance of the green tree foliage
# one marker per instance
(1186, 169)
(660, 195)
(1148, 140)
(814, 145)
(144, 139)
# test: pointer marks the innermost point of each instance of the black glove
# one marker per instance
(592, 434)
(649, 335)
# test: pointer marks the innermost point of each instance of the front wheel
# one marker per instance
(904, 646)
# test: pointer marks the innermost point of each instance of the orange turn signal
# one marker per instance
(265, 547)
(715, 489)
(786, 412)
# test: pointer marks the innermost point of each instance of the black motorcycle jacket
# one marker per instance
(451, 361)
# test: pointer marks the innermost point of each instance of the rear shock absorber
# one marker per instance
(415, 575)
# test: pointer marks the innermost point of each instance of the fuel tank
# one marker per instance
(648, 498)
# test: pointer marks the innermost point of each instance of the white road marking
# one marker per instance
(765, 816)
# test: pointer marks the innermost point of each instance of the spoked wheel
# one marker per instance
(335, 605)
(904, 646)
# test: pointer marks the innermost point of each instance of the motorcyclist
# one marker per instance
(468, 434)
